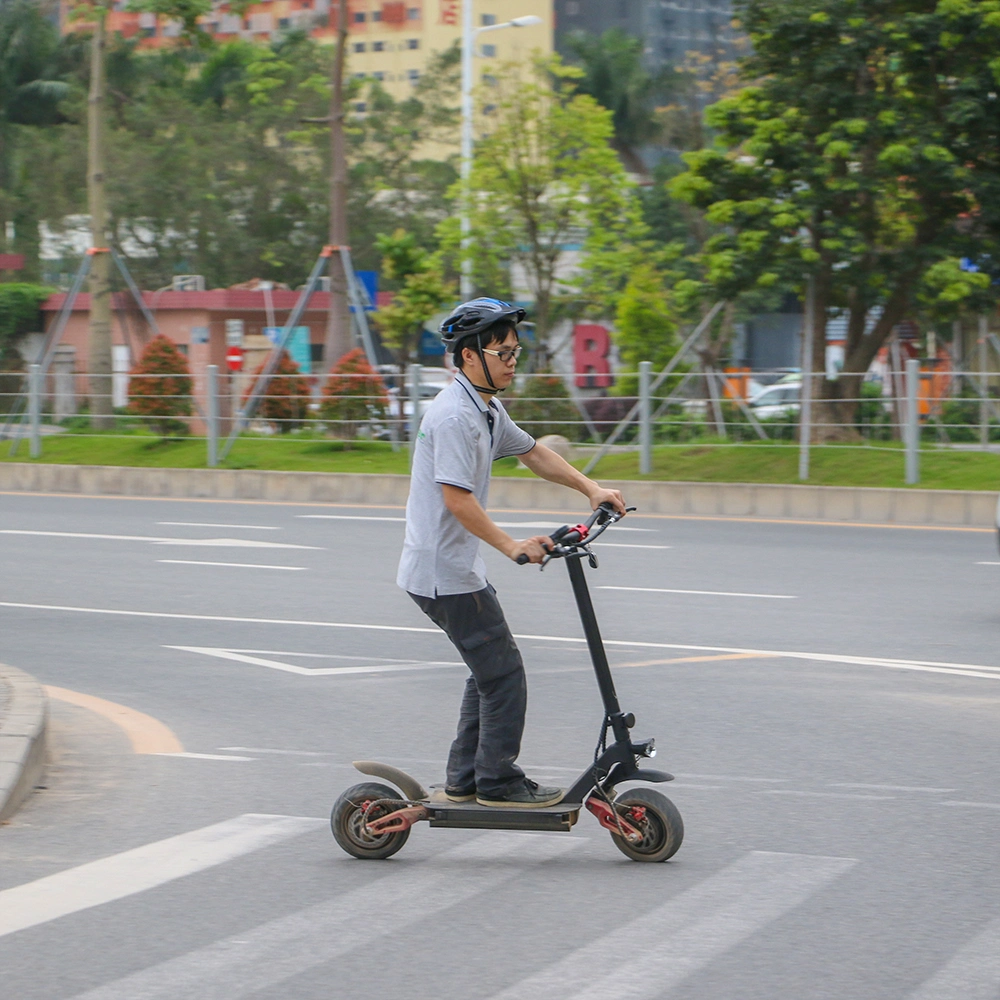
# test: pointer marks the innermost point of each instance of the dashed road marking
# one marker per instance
(203, 524)
(702, 593)
(200, 562)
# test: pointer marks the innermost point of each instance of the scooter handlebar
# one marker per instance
(604, 514)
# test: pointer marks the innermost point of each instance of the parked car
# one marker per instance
(778, 400)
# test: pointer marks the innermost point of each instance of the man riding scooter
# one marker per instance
(462, 433)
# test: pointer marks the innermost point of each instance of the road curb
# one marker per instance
(24, 719)
(836, 504)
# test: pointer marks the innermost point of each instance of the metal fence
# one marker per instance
(924, 407)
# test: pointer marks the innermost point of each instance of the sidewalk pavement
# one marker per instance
(24, 717)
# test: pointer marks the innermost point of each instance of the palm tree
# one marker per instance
(614, 75)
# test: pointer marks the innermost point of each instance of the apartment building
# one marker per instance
(388, 40)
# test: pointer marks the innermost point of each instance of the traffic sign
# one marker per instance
(234, 358)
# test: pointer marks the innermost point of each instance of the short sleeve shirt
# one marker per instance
(460, 437)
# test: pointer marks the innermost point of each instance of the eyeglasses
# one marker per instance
(505, 356)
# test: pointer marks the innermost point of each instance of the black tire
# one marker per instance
(662, 825)
(346, 821)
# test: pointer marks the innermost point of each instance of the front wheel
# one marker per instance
(658, 819)
(348, 821)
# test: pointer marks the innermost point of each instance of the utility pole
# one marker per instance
(99, 343)
(338, 330)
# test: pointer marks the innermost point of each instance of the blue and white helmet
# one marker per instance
(475, 316)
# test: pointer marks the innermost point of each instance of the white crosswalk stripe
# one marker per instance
(683, 935)
(973, 974)
(142, 868)
(285, 947)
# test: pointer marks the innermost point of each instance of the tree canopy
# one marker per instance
(863, 150)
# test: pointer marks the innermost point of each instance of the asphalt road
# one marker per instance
(828, 697)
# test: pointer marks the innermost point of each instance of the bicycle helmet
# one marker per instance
(470, 319)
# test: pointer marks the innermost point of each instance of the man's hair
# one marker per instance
(495, 333)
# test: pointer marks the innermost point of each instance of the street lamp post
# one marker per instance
(469, 36)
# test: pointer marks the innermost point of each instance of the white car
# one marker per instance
(778, 400)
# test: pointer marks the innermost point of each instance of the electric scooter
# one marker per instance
(373, 821)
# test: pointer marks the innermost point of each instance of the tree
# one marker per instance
(645, 326)
(160, 387)
(30, 92)
(354, 394)
(286, 400)
(614, 75)
(422, 293)
(864, 150)
(543, 406)
(546, 178)
(19, 314)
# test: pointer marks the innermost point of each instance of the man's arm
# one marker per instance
(546, 463)
(473, 518)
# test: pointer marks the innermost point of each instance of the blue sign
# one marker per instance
(368, 282)
(298, 347)
(430, 343)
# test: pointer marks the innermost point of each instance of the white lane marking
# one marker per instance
(888, 788)
(293, 668)
(704, 593)
(274, 952)
(733, 777)
(650, 955)
(988, 563)
(201, 562)
(972, 805)
(241, 543)
(552, 525)
(929, 666)
(203, 524)
(973, 973)
(625, 545)
(143, 868)
(823, 795)
(291, 753)
(203, 756)
(347, 517)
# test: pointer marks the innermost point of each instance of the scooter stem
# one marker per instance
(597, 655)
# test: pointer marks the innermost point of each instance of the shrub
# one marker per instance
(160, 387)
(286, 400)
(354, 394)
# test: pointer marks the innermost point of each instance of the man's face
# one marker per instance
(502, 372)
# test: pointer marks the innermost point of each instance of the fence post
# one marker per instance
(805, 393)
(415, 405)
(645, 418)
(212, 374)
(35, 408)
(984, 413)
(912, 422)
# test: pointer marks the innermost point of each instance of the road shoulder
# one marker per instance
(24, 717)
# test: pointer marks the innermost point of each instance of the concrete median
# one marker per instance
(838, 504)
(24, 717)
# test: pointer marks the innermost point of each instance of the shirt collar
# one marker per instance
(462, 380)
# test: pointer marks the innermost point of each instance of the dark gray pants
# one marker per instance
(491, 720)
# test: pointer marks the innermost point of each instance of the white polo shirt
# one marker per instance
(460, 437)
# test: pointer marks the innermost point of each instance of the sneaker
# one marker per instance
(455, 793)
(524, 794)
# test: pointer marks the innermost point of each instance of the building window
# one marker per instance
(489, 109)
(359, 46)
(284, 22)
(489, 79)
(378, 46)
(413, 43)
(147, 32)
(359, 17)
(377, 15)
(413, 13)
(413, 75)
(360, 106)
(489, 19)
(380, 76)
(359, 76)
(489, 51)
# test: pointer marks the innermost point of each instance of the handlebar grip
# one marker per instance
(522, 559)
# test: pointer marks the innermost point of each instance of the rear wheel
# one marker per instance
(348, 821)
(657, 818)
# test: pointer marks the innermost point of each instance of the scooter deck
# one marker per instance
(472, 816)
